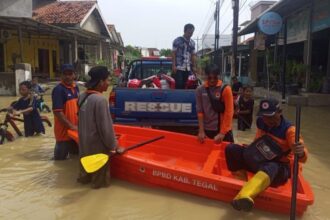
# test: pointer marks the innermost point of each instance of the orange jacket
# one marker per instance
(226, 117)
(284, 135)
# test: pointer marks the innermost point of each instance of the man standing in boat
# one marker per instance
(215, 108)
(268, 156)
(96, 133)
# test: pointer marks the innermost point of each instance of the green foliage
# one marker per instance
(203, 62)
(316, 82)
(166, 52)
(132, 53)
(296, 72)
(101, 62)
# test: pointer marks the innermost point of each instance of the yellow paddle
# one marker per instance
(93, 163)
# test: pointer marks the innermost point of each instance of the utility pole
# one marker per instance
(217, 32)
(284, 60)
(235, 4)
(197, 43)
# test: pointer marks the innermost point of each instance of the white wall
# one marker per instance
(145, 52)
(92, 25)
(16, 8)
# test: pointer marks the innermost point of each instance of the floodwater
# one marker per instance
(32, 186)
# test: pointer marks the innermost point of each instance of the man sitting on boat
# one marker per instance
(215, 108)
(268, 156)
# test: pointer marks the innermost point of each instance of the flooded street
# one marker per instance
(32, 186)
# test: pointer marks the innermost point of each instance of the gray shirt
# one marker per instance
(211, 117)
(203, 105)
(96, 133)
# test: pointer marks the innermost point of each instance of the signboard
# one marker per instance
(260, 41)
(321, 15)
(270, 23)
(158, 107)
(298, 27)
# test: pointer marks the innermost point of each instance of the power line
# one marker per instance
(206, 16)
(240, 12)
(208, 27)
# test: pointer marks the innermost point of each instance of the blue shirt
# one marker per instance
(32, 120)
(184, 49)
(37, 89)
(65, 99)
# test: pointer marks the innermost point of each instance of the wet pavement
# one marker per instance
(32, 186)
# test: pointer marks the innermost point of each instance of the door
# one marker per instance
(2, 59)
(43, 58)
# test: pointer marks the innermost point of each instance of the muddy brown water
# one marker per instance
(32, 186)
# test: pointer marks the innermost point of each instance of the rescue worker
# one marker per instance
(215, 108)
(96, 133)
(268, 156)
(64, 97)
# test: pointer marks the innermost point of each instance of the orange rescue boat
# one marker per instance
(180, 162)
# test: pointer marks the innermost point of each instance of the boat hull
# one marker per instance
(180, 163)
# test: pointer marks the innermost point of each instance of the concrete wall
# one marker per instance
(9, 81)
(16, 8)
(92, 25)
(22, 73)
(259, 8)
(7, 84)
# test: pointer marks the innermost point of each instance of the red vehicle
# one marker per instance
(153, 72)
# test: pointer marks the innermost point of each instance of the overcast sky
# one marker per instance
(155, 23)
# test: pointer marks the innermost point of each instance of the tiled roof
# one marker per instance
(66, 12)
(120, 39)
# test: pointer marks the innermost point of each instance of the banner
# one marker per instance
(297, 27)
(260, 41)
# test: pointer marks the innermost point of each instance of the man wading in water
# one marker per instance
(64, 97)
(215, 108)
(96, 133)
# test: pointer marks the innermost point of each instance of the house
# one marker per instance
(91, 42)
(117, 48)
(25, 40)
(305, 40)
(150, 52)
(48, 33)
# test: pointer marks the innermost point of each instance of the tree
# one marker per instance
(166, 52)
(132, 53)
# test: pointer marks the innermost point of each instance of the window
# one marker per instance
(54, 58)
(144, 69)
(2, 59)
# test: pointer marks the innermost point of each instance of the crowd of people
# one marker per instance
(216, 105)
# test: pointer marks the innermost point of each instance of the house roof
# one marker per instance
(116, 36)
(30, 26)
(113, 32)
(70, 14)
(67, 12)
(120, 39)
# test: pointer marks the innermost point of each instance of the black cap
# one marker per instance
(269, 107)
(97, 74)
